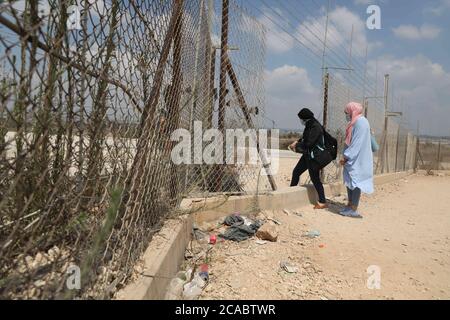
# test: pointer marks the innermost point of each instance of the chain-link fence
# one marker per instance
(434, 154)
(90, 94)
(397, 144)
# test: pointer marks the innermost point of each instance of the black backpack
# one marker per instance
(324, 153)
(331, 144)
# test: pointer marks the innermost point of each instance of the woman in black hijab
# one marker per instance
(312, 135)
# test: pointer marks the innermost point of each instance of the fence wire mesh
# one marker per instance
(434, 154)
(90, 94)
(397, 145)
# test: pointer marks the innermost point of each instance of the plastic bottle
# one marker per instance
(204, 273)
(175, 289)
(193, 289)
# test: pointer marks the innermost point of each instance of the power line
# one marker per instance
(332, 58)
(357, 79)
(285, 31)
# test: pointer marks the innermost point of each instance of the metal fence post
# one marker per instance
(150, 108)
(223, 64)
(325, 99)
(223, 83)
(396, 149)
(383, 157)
(366, 108)
(245, 110)
(193, 102)
(325, 110)
(439, 156)
(406, 153)
(175, 93)
(416, 155)
(386, 124)
(211, 51)
(417, 151)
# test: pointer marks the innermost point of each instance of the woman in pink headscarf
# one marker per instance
(357, 158)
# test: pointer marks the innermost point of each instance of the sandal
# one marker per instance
(320, 206)
(351, 214)
(345, 209)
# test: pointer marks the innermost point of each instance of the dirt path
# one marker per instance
(405, 232)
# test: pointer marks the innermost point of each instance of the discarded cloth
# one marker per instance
(240, 233)
(238, 230)
(233, 220)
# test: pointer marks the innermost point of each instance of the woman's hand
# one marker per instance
(292, 146)
(343, 161)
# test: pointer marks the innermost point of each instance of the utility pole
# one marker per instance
(325, 38)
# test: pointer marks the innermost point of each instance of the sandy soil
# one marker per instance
(405, 231)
